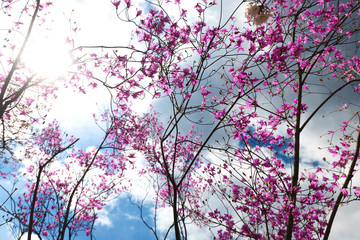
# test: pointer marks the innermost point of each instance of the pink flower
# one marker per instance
(30, 168)
(199, 8)
(128, 3)
(312, 177)
(357, 191)
(344, 192)
(116, 3)
(183, 13)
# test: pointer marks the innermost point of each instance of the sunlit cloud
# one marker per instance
(47, 57)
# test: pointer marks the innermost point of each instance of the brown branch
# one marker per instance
(41, 167)
(63, 230)
(295, 175)
(345, 185)
(16, 62)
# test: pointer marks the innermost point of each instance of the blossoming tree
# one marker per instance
(238, 91)
(17, 107)
(254, 89)
(57, 188)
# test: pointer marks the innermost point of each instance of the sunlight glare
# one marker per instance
(47, 57)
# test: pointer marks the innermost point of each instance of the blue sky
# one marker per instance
(125, 224)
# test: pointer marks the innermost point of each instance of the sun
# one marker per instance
(47, 57)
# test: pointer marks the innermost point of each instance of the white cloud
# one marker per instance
(131, 217)
(33, 237)
(346, 223)
(105, 214)
(104, 218)
(197, 233)
(164, 218)
(142, 105)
